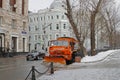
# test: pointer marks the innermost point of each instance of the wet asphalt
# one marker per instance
(17, 68)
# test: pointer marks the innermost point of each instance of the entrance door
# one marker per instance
(29, 47)
(23, 44)
(14, 44)
(0, 44)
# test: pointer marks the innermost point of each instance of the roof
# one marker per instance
(67, 38)
(57, 4)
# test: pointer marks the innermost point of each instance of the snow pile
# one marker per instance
(80, 74)
(97, 57)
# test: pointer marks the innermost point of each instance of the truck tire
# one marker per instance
(27, 59)
(72, 60)
(36, 58)
(68, 62)
(73, 57)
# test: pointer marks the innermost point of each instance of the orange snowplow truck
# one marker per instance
(62, 50)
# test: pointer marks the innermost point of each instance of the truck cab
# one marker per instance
(62, 50)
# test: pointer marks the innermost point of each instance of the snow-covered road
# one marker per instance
(106, 68)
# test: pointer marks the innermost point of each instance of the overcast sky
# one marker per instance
(35, 5)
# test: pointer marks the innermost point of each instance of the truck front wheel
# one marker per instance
(72, 60)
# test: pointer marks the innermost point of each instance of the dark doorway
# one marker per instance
(0, 44)
(0, 41)
(23, 44)
(14, 44)
(29, 47)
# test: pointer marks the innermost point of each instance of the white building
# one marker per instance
(48, 24)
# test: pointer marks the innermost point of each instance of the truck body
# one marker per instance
(61, 50)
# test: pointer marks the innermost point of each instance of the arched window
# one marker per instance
(64, 26)
(57, 16)
(57, 26)
(57, 35)
(64, 35)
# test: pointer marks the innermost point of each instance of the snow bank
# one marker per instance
(97, 57)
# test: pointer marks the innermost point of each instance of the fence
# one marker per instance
(33, 70)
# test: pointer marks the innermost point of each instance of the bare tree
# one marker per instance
(89, 11)
(112, 21)
(95, 9)
(69, 15)
(94, 13)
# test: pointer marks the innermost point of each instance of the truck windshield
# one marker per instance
(58, 43)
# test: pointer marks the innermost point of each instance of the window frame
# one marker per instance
(1, 20)
(1, 2)
(14, 23)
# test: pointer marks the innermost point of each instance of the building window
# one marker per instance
(50, 37)
(29, 28)
(64, 35)
(34, 19)
(48, 17)
(51, 17)
(57, 26)
(0, 3)
(35, 46)
(41, 18)
(24, 25)
(64, 26)
(39, 36)
(29, 38)
(1, 20)
(57, 36)
(36, 28)
(44, 17)
(63, 6)
(13, 24)
(35, 37)
(43, 37)
(23, 6)
(62, 16)
(50, 27)
(13, 5)
(30, 20)
(37, 19)
(57, 16)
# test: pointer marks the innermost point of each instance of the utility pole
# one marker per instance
(44, 32)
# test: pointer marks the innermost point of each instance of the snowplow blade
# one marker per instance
(54, 59)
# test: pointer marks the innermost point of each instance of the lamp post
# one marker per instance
(45, 35)
(60, 28)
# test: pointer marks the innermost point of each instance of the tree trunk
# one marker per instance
(73, 25)
(92, 27)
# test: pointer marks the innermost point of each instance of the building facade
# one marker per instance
(48, 24)
(13, 25)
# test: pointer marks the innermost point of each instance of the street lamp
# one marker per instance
(45, 36)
